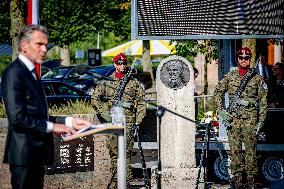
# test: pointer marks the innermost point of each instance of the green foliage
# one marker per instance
(4, 62)
(70, 21)
(5, 22)
(123, 26)
(66, 20)
(77, 22)
(53, 54)
(190, 48)
(107, 41)
(205, 106)
(2, 111)
(77, 107)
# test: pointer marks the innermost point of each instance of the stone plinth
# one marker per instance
(175, 92)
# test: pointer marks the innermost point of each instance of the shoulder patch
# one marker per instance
(264, 86)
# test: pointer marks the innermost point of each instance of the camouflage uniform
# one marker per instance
(243, 127)
(132, 95)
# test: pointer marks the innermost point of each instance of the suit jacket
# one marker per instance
(266, 68)
(25, 103)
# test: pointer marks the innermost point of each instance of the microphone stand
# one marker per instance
(159, 113)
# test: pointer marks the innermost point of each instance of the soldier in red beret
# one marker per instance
(120, 64)
(248, 91)
(134, 108)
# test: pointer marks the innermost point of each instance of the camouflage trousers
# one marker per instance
(243, 131)
(112, 145)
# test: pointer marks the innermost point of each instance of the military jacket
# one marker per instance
(132, 99)
(254, 95)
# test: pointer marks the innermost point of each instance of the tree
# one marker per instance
(5, 22)
(17, 22)
(70, 21)
(190, 48)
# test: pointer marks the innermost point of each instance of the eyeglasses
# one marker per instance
(120, 62)
(244, 57)
(123, 63)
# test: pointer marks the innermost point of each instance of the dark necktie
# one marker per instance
(34, 73)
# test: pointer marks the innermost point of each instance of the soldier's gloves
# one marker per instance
(225, 115)
(258, 126)
(106, 116)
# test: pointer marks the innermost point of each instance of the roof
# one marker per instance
(5, 50)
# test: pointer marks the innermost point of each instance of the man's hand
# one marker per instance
(62, 129)
(80, 123)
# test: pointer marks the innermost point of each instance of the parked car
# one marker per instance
(79, 76)
(58, 93)
(50, 64)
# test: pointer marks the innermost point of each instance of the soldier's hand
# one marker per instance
(225, 115)
(106, 116)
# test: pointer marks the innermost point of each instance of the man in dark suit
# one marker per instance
(29, 145)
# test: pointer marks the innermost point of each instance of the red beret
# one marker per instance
(120, 58)
(244, 50)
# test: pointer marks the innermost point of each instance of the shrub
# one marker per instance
(4, 62)
(77, 107)
(2, 111)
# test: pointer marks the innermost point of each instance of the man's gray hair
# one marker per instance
(27, 30)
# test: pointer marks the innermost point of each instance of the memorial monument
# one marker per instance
(175, 92)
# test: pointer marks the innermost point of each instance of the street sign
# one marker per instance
(79, 54)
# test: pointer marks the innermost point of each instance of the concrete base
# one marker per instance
(177, 178)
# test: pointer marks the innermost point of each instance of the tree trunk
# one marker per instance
(65, 56)
(17, 22)
(146, 59)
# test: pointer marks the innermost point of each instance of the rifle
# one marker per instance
(236, 103)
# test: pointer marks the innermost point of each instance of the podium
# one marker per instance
(121, 159)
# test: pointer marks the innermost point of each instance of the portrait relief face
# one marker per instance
(175, 74)
(175, 71)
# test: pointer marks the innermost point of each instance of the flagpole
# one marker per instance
(33, 18)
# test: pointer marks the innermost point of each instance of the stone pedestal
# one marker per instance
(175, 92)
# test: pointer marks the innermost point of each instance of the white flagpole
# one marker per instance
(35, 12)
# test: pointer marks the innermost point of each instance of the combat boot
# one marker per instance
(236, 182)
(251, 182)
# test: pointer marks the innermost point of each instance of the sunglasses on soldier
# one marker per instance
(120, 62)
(243, 57)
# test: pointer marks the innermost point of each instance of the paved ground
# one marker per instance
(139, 184)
